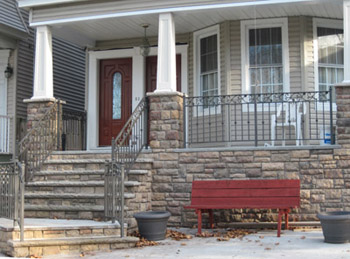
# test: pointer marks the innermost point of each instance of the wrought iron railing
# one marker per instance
(73, 130)
(296, 118)
(5, 133)
(125, 149)
(12, 193)
(41, 140)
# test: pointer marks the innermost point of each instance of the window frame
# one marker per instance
(324, 23)
(197, 36)
(261, 24)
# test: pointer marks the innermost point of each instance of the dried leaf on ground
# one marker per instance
(176, 235)
(226, 238)
(82, 255)
(261, 237)
(303, 237)
(183, 244)
(267, 248)
(276, 244)
(143, 242)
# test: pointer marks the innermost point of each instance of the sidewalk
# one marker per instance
(264, 244)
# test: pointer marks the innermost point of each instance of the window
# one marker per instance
(117, 96)
(330, 44)
(207, 61)
(265, 62)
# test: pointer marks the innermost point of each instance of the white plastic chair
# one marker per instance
(290, 115)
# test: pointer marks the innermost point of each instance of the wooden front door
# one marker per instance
(151, 73)
(115, 97)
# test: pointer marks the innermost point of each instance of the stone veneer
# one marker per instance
(166, 120)
(36, 109)
(324, 172)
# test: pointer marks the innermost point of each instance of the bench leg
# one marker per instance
(280, 213)
(286, 219)
(211, 218)
(199, 214)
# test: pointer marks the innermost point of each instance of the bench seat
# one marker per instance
(282, 195)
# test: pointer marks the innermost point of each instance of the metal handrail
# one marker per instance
(41, 140)
(134, 132)
(266, 119)
(125, 149)
(12, 193)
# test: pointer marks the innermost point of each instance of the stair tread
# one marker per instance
(138, 171)
(70, 195)
(77, 207)
(74, 161)
(72, 241)
(68, 172)
(76, 183)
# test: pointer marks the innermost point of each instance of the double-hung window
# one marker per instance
(207, 62)
(265, 56)
(330, 44)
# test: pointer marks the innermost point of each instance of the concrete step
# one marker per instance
(48, 195)
(72, 245)
(47, 236)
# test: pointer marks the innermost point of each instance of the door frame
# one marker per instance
(138, 84)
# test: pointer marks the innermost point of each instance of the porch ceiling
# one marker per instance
(87, 32)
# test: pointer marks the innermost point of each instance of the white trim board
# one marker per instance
(258, 24)
(4, 59)
(138, 83)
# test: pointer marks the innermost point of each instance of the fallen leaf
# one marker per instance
(82, 255)
(54, 217)
(176, 235)
(261, 237)
(183, 244)
(303, 237)
(267, 248)
(276, 244)
(223, 238)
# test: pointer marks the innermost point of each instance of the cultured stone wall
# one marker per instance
(324, 172)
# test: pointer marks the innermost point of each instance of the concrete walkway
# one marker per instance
(264, 244)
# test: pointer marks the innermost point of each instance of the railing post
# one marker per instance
(256, 119)
(331, 114)
(58, 123)
(184, 121)
(113, 149)
(122, 201)
(21, 182)
(146, 123)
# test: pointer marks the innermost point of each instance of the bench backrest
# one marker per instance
(246, 193)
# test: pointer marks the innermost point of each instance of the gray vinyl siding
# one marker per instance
(309, 58)
(25, 69)
(9, 15)
(69, 74)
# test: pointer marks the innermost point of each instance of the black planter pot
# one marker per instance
(335, 226)
(152, 224)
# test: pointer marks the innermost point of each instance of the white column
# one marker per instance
(346, 20)
(166, 74)
(43, 71)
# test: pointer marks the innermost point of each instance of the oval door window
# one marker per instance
(117, 96)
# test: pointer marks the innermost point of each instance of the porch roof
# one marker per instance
(85, 22)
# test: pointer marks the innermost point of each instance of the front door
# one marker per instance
(115, 97)
(151, 73)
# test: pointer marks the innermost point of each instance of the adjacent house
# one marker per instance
(17, 46)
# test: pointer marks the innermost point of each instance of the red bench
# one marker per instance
(245, 194)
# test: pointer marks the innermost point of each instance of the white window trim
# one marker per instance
(258, 24)
(197, 36)
(325, 23)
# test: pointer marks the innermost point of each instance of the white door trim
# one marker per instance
(138, 83)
